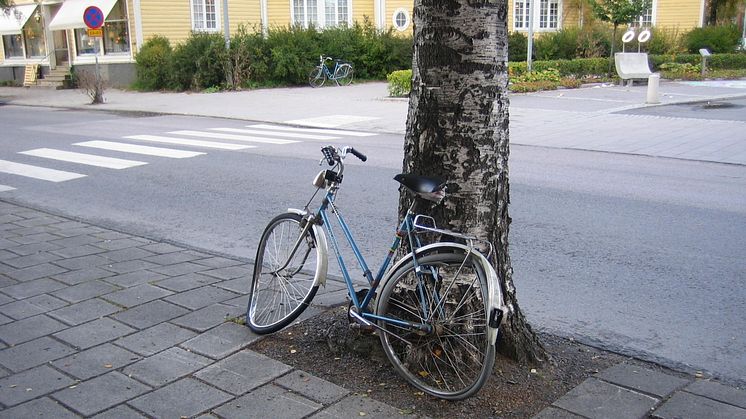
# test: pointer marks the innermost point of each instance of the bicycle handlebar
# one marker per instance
(357, 154)
(331, 154)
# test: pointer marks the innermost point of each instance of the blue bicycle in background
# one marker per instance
(436, 310)
(340, 74)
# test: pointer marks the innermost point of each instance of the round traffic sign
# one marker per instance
(93, 17)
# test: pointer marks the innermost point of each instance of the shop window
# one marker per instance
(33, 36)
(13, 46)
(116, 36)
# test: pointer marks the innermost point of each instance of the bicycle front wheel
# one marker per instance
(453, 358)
(284, 271)
(316, 78)
(343, 75)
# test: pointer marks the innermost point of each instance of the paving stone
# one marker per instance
(238, 285)
(161, 248)
(683, 405)
(269, 401)
(311, 387)
(208, 317)
(5, 319)
(21, 309)
(101, 393)
(201, 297)
(221, 341)
(137, 295)
(179, 269)
(37, 221)
(718, 392)
(552, 412)
(30, 384)
(67, 224)
(218, 262)
(28, 329)
(83, 275)
(46, 302)
(120, 412)
(96, 361)
(33, 238)
(169, 401)
(241, 302)
(117, 244)
(5, 255)
(30, 249)
(85, 291)
(597, 399)
(135, 278)
(358, 406)
(642, 379)
(230, 272)
(155, 339)
(83, 312)
(172, 258)
(39, 408)
(129, 266)
(4, 299)
(113, 235)
(74, 232)
(36, 272)
(21, 262)
(242, 372)
(6, 281)
(150, 314)
(166, 366)
(33, 353)
(186, 282)
(330, 299)
(9, 218)
(94, 333)
(128, 254)
(76, 251)
(34, 287)
(83, 262)
(78, 240)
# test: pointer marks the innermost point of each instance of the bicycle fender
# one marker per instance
(494, 291)
(323, 263)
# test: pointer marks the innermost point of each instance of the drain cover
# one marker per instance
(718, 105)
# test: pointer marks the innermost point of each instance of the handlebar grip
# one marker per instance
(358, 154)
(329, 154)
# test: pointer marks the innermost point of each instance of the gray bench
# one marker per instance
(632, 65)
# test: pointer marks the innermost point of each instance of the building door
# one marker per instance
(61, 49)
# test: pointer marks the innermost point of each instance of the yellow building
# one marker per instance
(53, 34)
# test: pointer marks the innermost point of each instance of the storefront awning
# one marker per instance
(13, 22)
(70, 15)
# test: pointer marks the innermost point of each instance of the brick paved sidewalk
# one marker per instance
(94, 322)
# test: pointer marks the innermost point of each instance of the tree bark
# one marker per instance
(457, 129)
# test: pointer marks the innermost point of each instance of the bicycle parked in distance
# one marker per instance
(436, 310)
(340, 74)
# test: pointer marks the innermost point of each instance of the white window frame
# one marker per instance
(407, 19)
(321, 22)
(536, 5)
(217, 27)
(547, 14)
(639, 22)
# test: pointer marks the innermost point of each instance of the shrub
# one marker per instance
(684, 71)
(248, 58)
(293, 52)
(517, 46)
(665, 41)
(593, 41)
(723, 39)
(400, 83)
(550, 74)
(533, 86)
(562, 44)
(152, 62)
(199, 63)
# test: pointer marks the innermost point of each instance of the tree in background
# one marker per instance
(457, 129)
(4, 5)
(618, 12)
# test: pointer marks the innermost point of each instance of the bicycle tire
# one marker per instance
(316, 77)
(454, 360)
(343, 75)
(279, 294)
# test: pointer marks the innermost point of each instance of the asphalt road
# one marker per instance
(640, 255)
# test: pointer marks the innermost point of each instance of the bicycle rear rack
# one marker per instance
(426, 224)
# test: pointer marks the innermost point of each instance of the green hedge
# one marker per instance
(400, 83)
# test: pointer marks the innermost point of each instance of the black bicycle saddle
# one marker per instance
(430, 188)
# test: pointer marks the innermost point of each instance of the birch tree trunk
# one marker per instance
(457, 129)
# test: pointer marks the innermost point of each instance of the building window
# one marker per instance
(204, 15)
(13, 46)
(645, 20)
(401, 19)
(321, 13)
(305, 13)
(549, 14)
(116, 35)
(520, 17)
(33, 36)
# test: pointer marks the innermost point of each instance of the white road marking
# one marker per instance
(331, 121)
(80, 158)
(261, 132)
(4, 188)
(190, 143)
(37, 172)
(314, 130)
(219, 136)
(140, 149)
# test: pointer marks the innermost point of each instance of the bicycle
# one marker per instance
(341, 74)
(439, 306)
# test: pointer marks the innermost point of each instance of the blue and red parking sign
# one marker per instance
(93, 17)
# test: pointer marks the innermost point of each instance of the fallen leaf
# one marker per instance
(292, 351)
(533, 370)
(423, 374)
(419, 393)
(73, 386)
(13, 385)
(362, 413)
(29, 389)
(108, 366)
(699, 374)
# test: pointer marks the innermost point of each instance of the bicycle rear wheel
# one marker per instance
(282, 284)
(454, 359)
(343, 75)
(316, 77)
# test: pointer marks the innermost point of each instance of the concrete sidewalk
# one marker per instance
(604, 118)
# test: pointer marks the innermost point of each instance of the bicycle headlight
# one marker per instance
(320, 181)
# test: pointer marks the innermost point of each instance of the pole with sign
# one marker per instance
(93, 17)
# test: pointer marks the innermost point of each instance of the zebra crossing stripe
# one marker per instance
(234, 137)
(260, 132)
(190, 143)
(313, 130)
(4, 188)
(140, 149)
(80, 158)
(37, 172)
